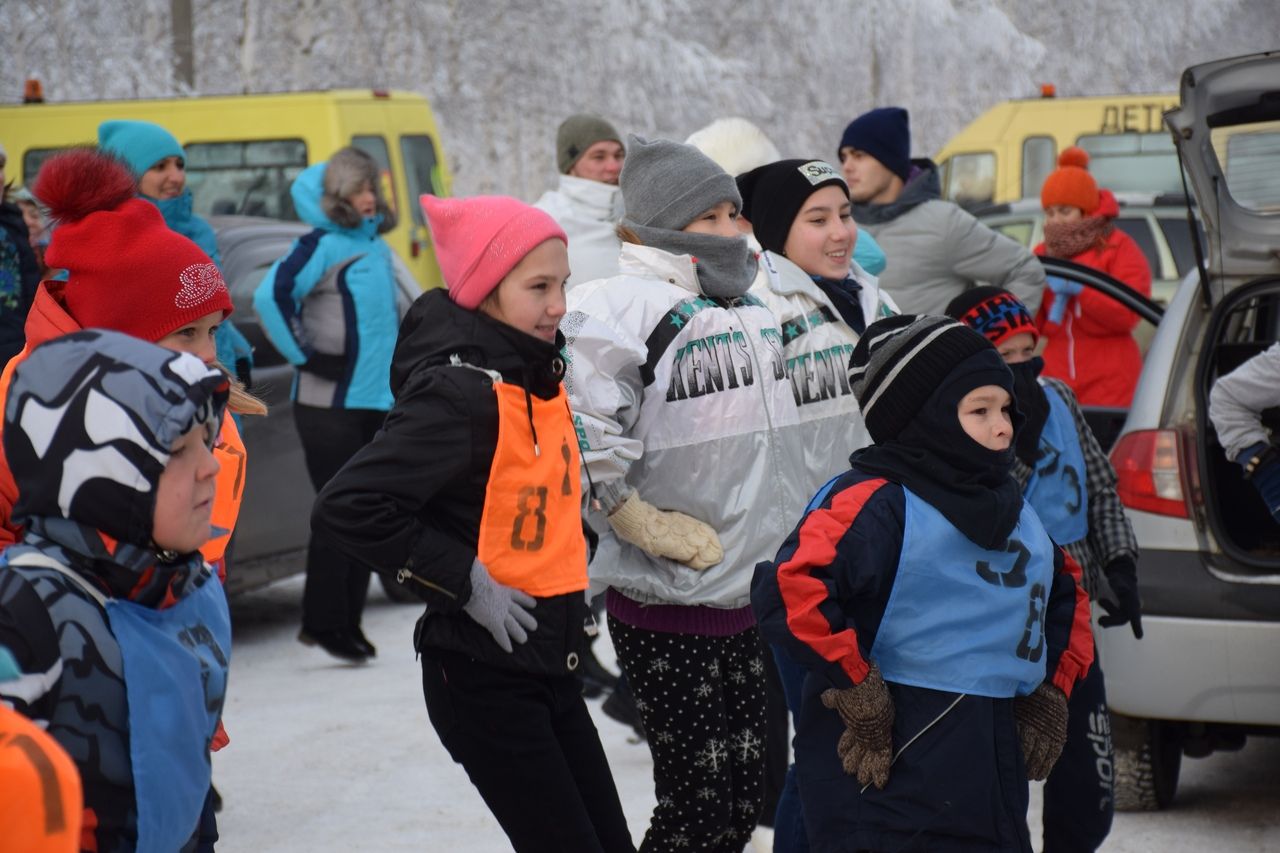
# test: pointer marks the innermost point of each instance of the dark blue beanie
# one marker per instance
(884, 134)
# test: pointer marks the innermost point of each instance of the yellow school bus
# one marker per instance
(243, 151)
(1006, 153)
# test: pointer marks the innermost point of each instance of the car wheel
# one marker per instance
(1148, 758)
(397, 592)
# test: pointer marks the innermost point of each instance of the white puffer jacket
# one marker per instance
(817, 344)
(588, 211)
(685, 400)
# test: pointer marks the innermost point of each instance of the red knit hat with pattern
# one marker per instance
(1071, 184)
(127, 270)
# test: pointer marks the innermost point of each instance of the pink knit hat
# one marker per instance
(481, 239)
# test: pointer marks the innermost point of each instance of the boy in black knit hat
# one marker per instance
(1068, 480)
(942, 629)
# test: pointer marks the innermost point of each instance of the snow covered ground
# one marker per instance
(329, 757)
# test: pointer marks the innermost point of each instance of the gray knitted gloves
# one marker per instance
(866, 747)
(663, 533)
(503, 611)
(1042, 728)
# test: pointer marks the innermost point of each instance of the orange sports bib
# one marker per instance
(531, 528)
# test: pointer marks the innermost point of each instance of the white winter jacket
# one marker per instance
(684, 399)
(588, 211)
(817, 344)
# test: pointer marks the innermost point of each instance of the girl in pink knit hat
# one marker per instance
(470, 497)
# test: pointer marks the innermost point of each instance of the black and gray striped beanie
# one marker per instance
(899, 362)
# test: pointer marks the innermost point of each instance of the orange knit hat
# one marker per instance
(1071, 184)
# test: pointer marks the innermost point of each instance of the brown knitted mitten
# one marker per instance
(866, 746)
(1042, 728)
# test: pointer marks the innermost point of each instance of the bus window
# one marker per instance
(1133, 162)
(250, 178)
(1178, 237)
(1139, 229)
(376, 147)
(971, 179)
(419, 155)
(1039, 159)
(32, 160)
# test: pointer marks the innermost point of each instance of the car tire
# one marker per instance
(1148, 759)
(397, 592)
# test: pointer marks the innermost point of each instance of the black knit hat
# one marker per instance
(899, 362)
(773, 195)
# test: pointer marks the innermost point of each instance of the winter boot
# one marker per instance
(621, 706)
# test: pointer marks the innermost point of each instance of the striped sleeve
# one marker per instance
(1068, 630)
(799, 597)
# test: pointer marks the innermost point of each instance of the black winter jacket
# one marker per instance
(19, 278)
(409, 503)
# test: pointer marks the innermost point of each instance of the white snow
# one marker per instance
(326, 756)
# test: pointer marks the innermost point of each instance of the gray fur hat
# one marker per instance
(344, 174)
(667, 184)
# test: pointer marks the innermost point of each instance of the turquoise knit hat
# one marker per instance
(140, 144)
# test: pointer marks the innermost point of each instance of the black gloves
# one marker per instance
(1122, 574)
(1042, 728)
(866, 747)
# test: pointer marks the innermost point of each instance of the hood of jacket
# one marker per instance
(306, 191)
(923, 185)
(436, 329)
(48, 317)
(593, 199)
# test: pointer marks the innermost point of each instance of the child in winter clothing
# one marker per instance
(106, 601)
(1068, 480)
(1235, 407)
(159, 163)
(689, 431)
(330, 307)
(1090, 336)
(470, 494)
(799, 210)
(942, 629)
(19, 269)
(129, 272)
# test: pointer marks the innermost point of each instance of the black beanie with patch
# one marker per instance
(773, 195)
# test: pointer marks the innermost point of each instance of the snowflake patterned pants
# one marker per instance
(702, 700)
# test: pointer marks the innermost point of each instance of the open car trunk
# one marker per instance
(1245, 323)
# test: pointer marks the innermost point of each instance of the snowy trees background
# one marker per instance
(501, 75)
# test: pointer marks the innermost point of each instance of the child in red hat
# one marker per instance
(470, 496)
(1090, 336)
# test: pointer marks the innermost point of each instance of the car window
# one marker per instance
(1019, 229)
(1249, 155)
(1039, 159)
(1178, 237)
(1140, 230)
(420, 165)
(1133, 162)
(250, 177)
(376, 147)
(971, 178)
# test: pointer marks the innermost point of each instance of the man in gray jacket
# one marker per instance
(1236, 404)
(935, 250)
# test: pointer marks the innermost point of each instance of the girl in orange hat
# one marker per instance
(1090, 343)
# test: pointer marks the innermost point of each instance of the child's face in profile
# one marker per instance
(184, 494)
(531, 297)
(985, 416)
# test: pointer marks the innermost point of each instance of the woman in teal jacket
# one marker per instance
(330, 307)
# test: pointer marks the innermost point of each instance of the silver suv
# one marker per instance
(1207, 674)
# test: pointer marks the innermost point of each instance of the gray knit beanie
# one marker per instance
(899, 362)
(667, 184)
(579, 132)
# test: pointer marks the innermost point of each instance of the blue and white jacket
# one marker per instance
(330, 307)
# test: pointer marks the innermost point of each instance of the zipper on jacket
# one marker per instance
(403, 576)
(768, 415)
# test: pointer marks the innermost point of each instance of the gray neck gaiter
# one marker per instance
(726, 266)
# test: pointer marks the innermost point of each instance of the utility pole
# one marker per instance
(184, 67)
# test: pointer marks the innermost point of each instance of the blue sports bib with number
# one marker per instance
(964, 619)
(1057, 486)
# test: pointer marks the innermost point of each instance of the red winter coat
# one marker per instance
(1093, 349)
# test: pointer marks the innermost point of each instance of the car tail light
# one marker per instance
(1149, 472)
